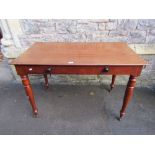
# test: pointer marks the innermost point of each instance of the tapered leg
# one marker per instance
(29, 93)
(46, 81)
(128, 94)
(112, 82)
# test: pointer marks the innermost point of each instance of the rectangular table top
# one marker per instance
(52, 53)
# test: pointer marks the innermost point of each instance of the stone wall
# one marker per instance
(139, 34)
(130, 31)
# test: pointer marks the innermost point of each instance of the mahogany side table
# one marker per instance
(79, 58)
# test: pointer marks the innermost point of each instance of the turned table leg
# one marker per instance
(112, 82)
(46, 81)
(128, 94)
(29, 93)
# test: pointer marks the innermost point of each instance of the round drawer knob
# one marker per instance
(106, 69)
(49, 69)
(30, 69)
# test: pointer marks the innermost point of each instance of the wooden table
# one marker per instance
(79, 58)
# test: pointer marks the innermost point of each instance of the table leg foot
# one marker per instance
(35, 114)
(128, 95)
(112, 82)
(121, 115)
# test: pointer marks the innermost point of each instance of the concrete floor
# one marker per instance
(73, 110)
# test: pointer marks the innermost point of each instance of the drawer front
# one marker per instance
(83, 70)
(77, 70)
(32, 69)
(58, 70)
(97, 70)
(37, 69)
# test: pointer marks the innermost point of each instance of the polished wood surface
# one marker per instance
(79, 54)
(29, 93)
(128, 94)
(79, 58)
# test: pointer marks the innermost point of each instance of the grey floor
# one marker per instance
(74, 110)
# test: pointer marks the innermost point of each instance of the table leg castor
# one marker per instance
(35, 114)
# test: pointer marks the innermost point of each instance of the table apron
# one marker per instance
(82, 70)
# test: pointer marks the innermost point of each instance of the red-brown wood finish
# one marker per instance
(128, 94)
(46, 80)
(84, 70)
(79, 58)
(29, 93)
(86, 54)
(112, 82)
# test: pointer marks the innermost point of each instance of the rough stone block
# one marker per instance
(66, 26)
(151, 23)
(152, 32)
(87, 27)
(118, 33)
(28, 40)
(97, 36)
(120, 24)
(99, 20)
(137, 37)
(112, 20)
(114, 39)
(47, 30)
(150, 39)
(80, 37)
(142, 25)
(127, 24)
(82, 21)
(130, 24)
(101, 26)
(30, 27)
(111, 26)
(86, 21)
(145, 24)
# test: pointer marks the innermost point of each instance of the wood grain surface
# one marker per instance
(52, 53)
